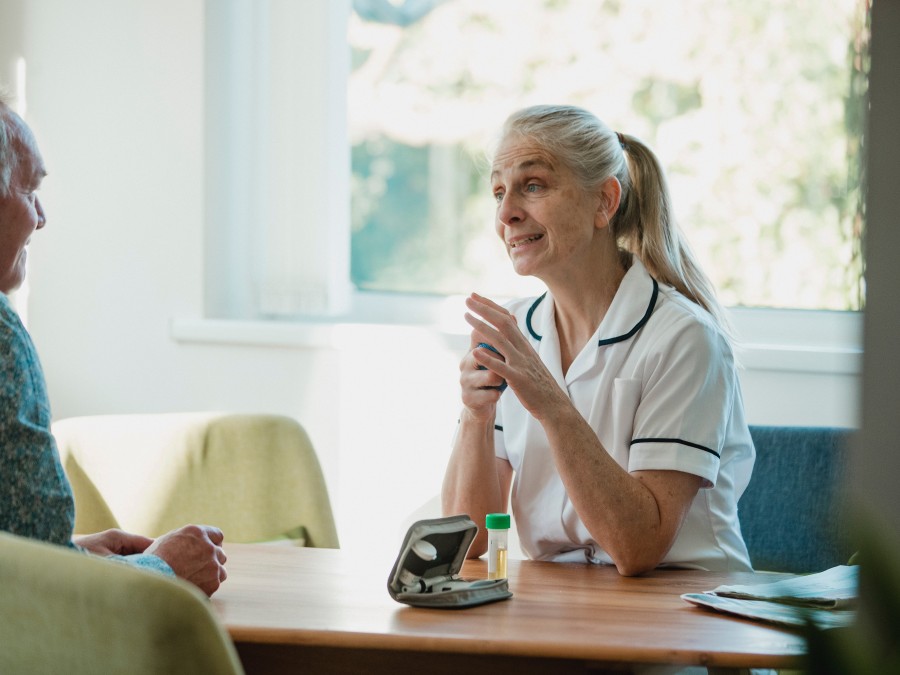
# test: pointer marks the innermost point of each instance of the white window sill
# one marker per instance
(771, 339)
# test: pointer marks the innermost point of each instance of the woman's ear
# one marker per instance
(610, 194)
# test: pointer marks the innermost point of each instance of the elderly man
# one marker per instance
(35, 496)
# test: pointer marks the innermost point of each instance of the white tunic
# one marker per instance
(658, 385)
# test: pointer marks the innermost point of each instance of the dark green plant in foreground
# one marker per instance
(872, 645)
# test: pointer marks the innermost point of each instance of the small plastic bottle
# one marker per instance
(497, 525)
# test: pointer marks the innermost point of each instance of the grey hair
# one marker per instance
(9, 156)
(644, 224)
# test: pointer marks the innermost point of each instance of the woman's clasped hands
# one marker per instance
(512, 360)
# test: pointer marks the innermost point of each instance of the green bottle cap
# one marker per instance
(497, 521)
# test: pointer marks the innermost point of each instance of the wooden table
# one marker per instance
(329, 611)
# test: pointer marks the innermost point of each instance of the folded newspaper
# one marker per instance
(826, 599)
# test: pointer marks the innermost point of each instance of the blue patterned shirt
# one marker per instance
(35, 496)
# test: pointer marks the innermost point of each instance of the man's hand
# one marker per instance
(113, 542)
(194, 552)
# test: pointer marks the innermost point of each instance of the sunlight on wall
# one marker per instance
(21, 103)
(394, 436)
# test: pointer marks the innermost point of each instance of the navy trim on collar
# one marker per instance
(639, 324)
(606, 341)
(679, 441)
(530, 313)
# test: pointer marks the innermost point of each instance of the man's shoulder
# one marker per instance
(18, 358)
(10, 323)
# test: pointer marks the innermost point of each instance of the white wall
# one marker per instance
(115, 95)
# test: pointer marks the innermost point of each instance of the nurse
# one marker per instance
(620, 437)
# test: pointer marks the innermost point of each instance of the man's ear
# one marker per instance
(610, 194)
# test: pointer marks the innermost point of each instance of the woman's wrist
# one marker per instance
(484, 417)
(558, 409)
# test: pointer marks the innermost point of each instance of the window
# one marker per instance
(755, 108)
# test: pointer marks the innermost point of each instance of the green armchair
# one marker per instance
(256, 477)
(67, 612)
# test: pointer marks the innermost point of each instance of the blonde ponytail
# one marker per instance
(645, 225)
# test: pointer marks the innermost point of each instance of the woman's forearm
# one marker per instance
(634, 517)
(472, 484)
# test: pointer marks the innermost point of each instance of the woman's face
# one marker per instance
(545, 217)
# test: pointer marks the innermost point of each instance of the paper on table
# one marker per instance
(825, 599)
(774, 612)
(835, 588)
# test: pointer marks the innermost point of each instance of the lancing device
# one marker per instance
(485, 345)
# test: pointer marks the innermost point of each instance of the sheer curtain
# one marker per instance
(277, 159)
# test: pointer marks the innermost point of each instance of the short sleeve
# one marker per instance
(689, 387)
